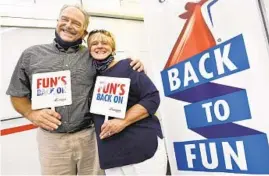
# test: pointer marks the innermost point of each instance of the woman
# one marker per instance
(133, 145)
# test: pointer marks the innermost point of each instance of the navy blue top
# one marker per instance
(138, 141)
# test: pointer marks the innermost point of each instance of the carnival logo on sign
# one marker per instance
(195, 60)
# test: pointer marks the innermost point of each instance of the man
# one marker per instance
(66, 138)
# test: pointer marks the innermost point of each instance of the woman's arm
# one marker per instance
(134, 114)
(149, 101)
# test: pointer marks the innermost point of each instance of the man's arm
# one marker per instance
(44, 118)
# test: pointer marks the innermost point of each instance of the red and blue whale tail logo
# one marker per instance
(195, 36)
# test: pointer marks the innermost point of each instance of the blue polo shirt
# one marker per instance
(137, 142)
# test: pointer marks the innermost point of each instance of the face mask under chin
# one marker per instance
(66, 44)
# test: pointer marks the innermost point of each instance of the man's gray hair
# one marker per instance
(80, 8)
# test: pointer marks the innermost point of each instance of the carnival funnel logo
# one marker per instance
(195, 60)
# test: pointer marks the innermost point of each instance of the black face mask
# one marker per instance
(102, 65)
(65, 44)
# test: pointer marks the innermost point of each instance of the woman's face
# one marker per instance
(100, 46)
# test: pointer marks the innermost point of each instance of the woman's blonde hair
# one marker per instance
(102, 33)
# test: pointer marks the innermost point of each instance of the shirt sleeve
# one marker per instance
(144, 88)
(20, 84)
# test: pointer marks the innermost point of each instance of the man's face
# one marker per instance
(70, 26)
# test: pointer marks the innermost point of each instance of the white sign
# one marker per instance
(51, 89)
(213, 63)
(110, 96)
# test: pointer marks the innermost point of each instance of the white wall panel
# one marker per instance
(265, 8)
(29, 13)
(13, 42)
(17, 2)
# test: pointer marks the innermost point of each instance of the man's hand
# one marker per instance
(112, 127)
(137, 65)
(44, 118)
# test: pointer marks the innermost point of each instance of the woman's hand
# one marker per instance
(112, 127)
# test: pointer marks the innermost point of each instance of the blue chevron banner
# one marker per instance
(213, 64)
(213, 108)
